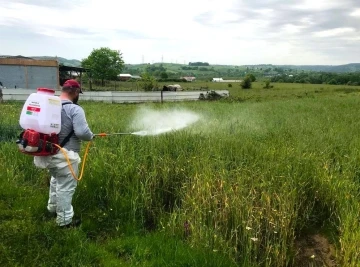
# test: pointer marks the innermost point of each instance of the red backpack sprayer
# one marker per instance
(41, 122)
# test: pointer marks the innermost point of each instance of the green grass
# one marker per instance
(258, 93)
(257, 172)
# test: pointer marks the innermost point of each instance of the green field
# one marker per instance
(279, 89)
(268, 177)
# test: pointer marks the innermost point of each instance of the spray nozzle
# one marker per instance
(109, 134)
(101, 134)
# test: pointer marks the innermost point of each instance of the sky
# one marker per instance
(226, 32)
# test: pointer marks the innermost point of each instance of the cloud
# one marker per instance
(59, 4)
(355, 13)
(224, 32)
(334, 32)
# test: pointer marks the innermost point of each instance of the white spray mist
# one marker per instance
(154, 122)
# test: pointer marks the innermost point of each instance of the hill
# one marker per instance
(218, 70)
(352, 67)
(230, 70)
(61, 60)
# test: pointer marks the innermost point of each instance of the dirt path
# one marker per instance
(315, 250)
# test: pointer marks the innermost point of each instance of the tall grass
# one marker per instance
(239, 187)
(279, 89)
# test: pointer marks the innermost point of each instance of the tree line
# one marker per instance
(320, 78)
(107, 64)
(199, 64)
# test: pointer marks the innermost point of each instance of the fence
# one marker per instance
(119, 96)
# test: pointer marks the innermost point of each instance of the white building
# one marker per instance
(221, 80)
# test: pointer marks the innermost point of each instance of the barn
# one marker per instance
(24, 72)
(124, 77)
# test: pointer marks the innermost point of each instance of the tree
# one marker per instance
(148, 82)
(267, 84)
(105, 64)
(332, 81)
(199, 64)
(246, 83)
(164, 75)
(252, 77)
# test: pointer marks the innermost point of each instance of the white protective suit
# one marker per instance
(63, 184)
(62, 188)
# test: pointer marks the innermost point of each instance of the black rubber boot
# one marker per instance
(49, 215)
(75, 223)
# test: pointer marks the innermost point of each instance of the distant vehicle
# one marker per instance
(172, 87)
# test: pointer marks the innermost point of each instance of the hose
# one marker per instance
(69, 163)
(85, 154)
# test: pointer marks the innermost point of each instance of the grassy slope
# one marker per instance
(171, 67)
(281, 162)
(280, 89)
(225, 68)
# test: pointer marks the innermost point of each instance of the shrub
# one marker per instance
(252, 77)
(172, 80)
(246, 83)
(267, 84)
(148, 82)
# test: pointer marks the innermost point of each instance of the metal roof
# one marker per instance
(69, 68)
(20, 57)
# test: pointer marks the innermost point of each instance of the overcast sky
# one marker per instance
(233, 32)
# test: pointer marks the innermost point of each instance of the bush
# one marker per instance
(332, 81)
(246, 83)
(252, 77)
(148, 82)
(267, 84)
(212, 95)
(172, 80)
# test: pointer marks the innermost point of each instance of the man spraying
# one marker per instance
(74, 129)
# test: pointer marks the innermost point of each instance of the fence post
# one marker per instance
(162, 96)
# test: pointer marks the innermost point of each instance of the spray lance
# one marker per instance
(140, 133)
(111, 134)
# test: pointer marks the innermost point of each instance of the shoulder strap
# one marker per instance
(67, 138)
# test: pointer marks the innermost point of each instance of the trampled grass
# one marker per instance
(239, 187)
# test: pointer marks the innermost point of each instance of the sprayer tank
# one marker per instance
(42, 112)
